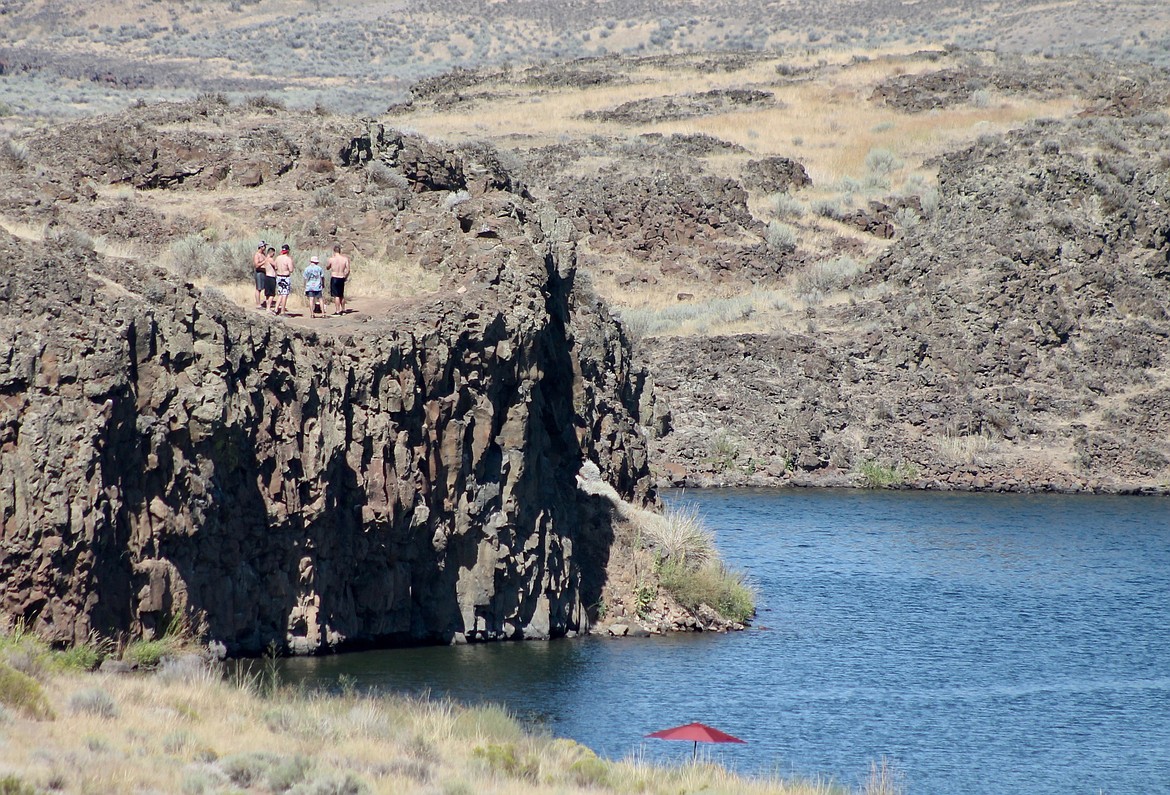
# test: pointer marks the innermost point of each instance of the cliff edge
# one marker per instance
(165, 452)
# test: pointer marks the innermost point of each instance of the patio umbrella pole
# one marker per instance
(695, 751)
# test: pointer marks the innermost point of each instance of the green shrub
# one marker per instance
(23, 693)
(81, 657)
(12, 785)
(875, 475)
(507, 760)
(711, 584)
(146, 653)
(590, 772)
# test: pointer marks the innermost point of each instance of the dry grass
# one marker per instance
(23, 230)
(196, 732)
(965, 450)
(830, 115)
(826, 121)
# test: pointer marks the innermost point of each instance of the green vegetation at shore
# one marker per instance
(187, 728)
(689, 567)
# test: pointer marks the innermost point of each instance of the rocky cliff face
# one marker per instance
(166, 453)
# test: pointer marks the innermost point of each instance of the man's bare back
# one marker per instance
(283, 264)
(338, 267)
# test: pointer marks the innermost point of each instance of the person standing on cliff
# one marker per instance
(283, 264)
(314, 285)
(270, 279)
(338, 267)
(258, 260)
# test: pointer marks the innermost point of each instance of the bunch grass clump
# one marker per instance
(876, 475)
(22, 693)
(150, 652)
(681, 535)
(965, 450)
(689, 567)
(711, 583)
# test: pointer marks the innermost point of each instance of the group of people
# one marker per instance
(274, 280)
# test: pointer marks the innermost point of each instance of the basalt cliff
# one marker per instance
(393, 477)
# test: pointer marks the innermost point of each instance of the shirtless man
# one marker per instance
(270, 279)
(258, 260)
(338, 267)
(283, 265)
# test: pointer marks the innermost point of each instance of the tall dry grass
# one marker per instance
(194, 731)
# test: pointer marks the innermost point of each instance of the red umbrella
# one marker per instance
(697, 733)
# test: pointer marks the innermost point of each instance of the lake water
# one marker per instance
(980, 643)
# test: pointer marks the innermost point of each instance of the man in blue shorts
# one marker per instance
(258, 260)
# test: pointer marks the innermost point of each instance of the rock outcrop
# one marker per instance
(165, 453)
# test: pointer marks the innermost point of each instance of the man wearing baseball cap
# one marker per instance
(258, 267)
(284, 271)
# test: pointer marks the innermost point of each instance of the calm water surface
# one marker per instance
(982, 643)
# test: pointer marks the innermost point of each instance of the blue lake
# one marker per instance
(980, 643)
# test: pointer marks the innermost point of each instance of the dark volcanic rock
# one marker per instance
(683, 106)
(1018, 339)
(164, 452)
(1118, 89)
(774, 174)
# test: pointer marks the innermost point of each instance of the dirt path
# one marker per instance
(362, 313)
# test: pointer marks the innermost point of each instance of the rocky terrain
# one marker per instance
(792, 309)
(1017, 340)
(1003, 325)
(403, 475)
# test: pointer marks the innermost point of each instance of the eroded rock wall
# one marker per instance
(166, 453)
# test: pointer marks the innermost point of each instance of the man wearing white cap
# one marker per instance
(314, 285)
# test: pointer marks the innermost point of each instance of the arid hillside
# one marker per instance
(944, 268)
(847, 253)
(358, 56)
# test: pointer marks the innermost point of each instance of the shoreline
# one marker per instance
(977, 484)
